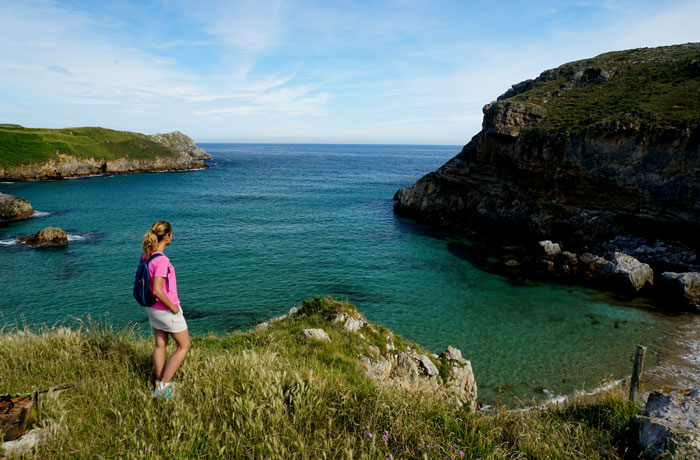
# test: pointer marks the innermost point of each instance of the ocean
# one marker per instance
(268, 225)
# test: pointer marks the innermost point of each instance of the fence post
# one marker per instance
(637, 372)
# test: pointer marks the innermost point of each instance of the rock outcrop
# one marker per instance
(583, 153)
(669, 425)
(14, 208)
(448, 375)
(46, 237)
(181, 143)
(184, 155)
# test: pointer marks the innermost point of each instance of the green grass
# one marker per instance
(20, 145)
(272, 394)
(653, 86)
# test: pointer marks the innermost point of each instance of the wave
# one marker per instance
(15, 241)
(41, 214)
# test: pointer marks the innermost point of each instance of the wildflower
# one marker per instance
(386, 435)
(461, 454)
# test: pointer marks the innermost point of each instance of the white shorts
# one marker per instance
(165, 320)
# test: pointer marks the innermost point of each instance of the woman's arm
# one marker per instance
(160, 295)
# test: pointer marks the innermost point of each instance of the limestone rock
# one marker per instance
(460, 377)
(428, 366)
(627, 274)
(352, 324)
(317, 334)
(534, 172)
(592, 265)
(47, 236)
(683, 288)
(550, 249)
(263, 325)
(183, 143)
(669, 425)
(452, 353)
(14, 208)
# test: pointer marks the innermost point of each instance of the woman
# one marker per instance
(165, 315)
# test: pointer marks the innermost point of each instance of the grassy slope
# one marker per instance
(272, 394)
(652, 85)
(20, 145)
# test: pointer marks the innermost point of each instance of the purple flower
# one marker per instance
(461, 454)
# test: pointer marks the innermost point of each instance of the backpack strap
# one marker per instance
(167, 278)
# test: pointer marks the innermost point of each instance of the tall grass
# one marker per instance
(273, 394)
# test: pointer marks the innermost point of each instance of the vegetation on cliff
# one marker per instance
(657, 86)
(20, 146)
(274, 394)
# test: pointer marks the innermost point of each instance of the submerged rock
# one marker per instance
(46, 237)
(14, 208)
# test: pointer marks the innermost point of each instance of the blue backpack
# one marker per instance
(142, 289)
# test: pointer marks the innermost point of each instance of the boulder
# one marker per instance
(352, 324)
(682, 288)
(627, 274)
(316, 334)
(591, 264)
(14, 208)
(427, 365)
(46, 237)
(669, 425)
(550, 249)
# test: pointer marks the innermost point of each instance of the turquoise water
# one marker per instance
(269, 225)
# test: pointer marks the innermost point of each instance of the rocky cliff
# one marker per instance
(38, 154)
(589, 150)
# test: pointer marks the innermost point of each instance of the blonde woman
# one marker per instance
(165, 315)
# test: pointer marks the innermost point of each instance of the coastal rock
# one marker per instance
(548, 163)
(184, 156)
(683, 288)
(627, 274)
(669, 425)
(182, 143)
(428, 366)
(14, 208)
(460, 379)
(316, 334)
(46, 237)
(592, 265)
(352, 324)
(550, 249)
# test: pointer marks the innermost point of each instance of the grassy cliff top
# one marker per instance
(655, 86)
(19, 145)
(274, 394)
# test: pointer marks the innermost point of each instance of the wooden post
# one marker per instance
(637, 372)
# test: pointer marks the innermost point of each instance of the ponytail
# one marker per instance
(152, 237)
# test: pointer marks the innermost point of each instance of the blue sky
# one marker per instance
(406, 72)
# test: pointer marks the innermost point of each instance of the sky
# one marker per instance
(331, 71)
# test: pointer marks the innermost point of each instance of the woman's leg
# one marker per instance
(182, 339)
(159, 352)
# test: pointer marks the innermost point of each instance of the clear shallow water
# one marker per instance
(269, 225)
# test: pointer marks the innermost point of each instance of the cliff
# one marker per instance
(587, 151)
(36, 154)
